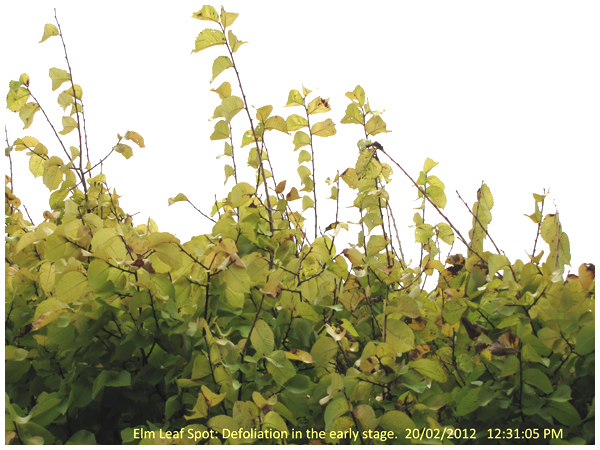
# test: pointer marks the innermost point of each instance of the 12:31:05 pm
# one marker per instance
(528, 433)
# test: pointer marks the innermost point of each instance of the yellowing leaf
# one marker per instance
(178, 198)
(358, 95)
(124, 150)
(135, 137)
(58, 76)
(294, 98)
(207, 13)
(69, 124)
(15, 100)
(300, 140)
(318, 105)
(221, 131)
(276, 123)
(262, 114)
(353, 115)
(587, 274)
(295, 122)
(272, 288)
(219, 65)
(323, 129)
(208, 38)
(49, 31)
(234, 42)
(227, 18)
(262, 337)
(280, 187)
(240, 194)
(429, 164)
(27, 112)
(299, 355)
(224, 90)
(231, 106)
(292, 195)
(376, 125)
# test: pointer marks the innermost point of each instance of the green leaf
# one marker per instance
(71, 287)
(397, 422)
(82, 437)
(561, 394)
(178, 198)
(208, 38)
(376, 125)
(298, 384)
(295, 122)
(238, 283)
(262, 337)
(207, 13)
(323, 129)
(201, 367)
(586, 339)
(537, 378)
(468, 402)
(400, 336)
(335, 408)
(564, 413)
(274, 420)
(219, 65)
(110, 378)
(323, 351)
(294, 98)
(49, 31)
(429, 368)
(69, 124)
(58, 77)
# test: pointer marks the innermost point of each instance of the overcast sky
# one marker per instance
(501, 92)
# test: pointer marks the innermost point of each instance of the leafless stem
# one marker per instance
(460, 236)
(81, 173)
(258, 148)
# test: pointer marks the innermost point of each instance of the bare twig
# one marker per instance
(76, 109)
(460, 236)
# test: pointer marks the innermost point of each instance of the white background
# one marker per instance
(502, 92)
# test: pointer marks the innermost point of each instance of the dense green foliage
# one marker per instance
(114, 328)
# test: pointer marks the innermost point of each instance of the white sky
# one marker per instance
(505, 92)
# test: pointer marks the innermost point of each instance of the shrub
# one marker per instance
(261, 331)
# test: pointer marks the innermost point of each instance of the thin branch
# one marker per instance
(460, 236)
(208, 217)
(258, 148)
(539, 226)
(76, 109)
(487, 234)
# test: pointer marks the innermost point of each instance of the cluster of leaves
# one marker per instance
(113, 328)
